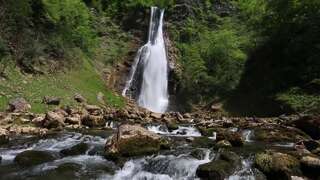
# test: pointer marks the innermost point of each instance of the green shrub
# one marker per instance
(72, 20)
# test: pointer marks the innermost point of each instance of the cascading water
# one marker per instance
(153, 61)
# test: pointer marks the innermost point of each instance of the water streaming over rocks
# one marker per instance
(152, 60)
(182, 131)
(180, 163)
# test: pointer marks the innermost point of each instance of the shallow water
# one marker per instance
(177, 163)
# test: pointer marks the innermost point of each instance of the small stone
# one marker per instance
(156, 115)
(51, 100)
(79, 98)
(73, 120)
(223, 144)
(38, 121)
(187, 115)
(101, 98)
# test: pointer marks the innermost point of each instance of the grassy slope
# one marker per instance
(84, 80)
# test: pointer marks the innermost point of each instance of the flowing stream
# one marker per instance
(152, 60)
(178, 163)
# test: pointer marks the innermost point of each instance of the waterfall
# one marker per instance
(152, 59)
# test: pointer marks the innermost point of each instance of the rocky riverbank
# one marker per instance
(284, 147)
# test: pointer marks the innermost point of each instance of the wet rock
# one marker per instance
(79, 98)
(277, 165)
(78, 149)
(310, 125)
(172, 126)
(310, 166)
(235, 138)
(133, 140)
(53, 120)
(220, 168)
(33, 157)
(68, 167)
(19, 105)
(223, 144)
(4, 136)
(197, 153)
(93, 121)
(189, 139)
(275, 133)
(202, 142)
(51, 100)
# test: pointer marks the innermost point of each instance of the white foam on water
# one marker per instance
(182, 131)
(245, 173)
(160, 167)
(247, 135)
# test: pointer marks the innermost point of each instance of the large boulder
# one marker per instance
(4, 136)
(133, 140)
(310, 166)
(310, 125)
(220, 168)
(277, 166)
(33, 157)
(53, 120)
(277, 133)
(19, 105)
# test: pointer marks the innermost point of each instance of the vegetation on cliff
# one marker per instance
(258, 57)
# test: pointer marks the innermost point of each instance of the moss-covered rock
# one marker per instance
(172, 126)
(78, 149)
(277, 165)
(202, 142)
(33, 157)
(219, 169)
(275, 133)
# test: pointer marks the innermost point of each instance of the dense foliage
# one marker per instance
(257, 55)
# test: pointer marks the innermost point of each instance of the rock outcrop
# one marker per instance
(277, 166)
(219, 168)
(133, 140)
(19, 105)
(33, 157)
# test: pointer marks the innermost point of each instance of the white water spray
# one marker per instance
(152, 56)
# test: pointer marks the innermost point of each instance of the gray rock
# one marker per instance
(19, 105)
(32, 157)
